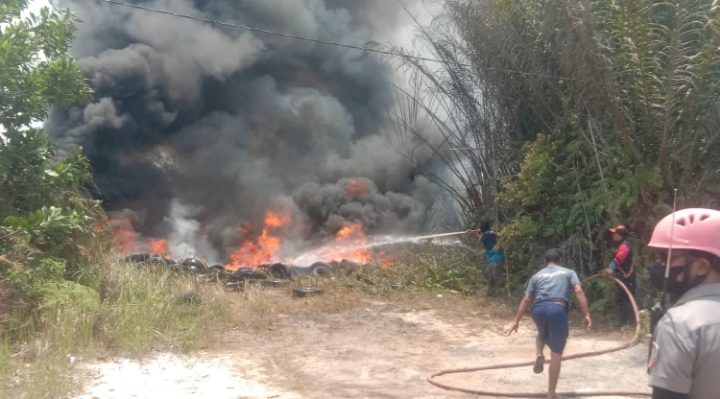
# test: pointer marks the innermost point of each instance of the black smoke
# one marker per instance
(198, 125)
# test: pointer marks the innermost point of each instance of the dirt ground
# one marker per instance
(373, 349)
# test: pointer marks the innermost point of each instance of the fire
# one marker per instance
(276, 220)
(350, 244)
(264, 249)
(128, 241)
(158, 247)
(124, 235)
(351, 232)
(356, 188)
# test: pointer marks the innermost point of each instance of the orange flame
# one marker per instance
(159, 247)
(350, 244)
(264, 248)
(124, 235)
(351, 232)
(356, 188)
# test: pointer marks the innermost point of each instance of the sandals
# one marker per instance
(539, 363)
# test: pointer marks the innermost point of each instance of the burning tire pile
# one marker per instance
(270, 275)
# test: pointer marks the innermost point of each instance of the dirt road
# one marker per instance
(373, 349)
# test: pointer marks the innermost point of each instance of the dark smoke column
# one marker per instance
(202, 126)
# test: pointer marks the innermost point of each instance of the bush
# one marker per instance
(428, 267)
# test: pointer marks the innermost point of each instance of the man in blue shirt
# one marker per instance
(549, 291)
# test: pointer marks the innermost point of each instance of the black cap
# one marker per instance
(553, 255)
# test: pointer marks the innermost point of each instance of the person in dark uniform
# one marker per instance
(622, 267)
(494, 255)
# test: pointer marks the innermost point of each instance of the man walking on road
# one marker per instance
(549, 291)
(685, 358)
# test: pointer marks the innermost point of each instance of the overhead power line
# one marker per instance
(320, 41)
(273, 33)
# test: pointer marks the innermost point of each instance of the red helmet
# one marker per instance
(621, 230)
(689, 229)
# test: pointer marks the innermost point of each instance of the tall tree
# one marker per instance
(600, 109)
(44, 213)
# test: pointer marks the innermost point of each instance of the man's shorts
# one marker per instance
(551, 320)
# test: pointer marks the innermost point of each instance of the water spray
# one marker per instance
(314, 254)
(390, 240)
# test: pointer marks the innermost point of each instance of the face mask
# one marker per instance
(674, 287)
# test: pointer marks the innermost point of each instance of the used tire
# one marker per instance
(279, 270)
(320, 269)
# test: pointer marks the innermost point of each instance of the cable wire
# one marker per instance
(273, 33)
(322, 41)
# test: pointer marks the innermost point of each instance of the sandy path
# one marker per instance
(376, 350)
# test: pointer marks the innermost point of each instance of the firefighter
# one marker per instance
(622, 266)
(685, 358)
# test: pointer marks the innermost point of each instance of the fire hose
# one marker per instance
(628, 344)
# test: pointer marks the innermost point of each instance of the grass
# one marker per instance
(136, 311)
(131, 311)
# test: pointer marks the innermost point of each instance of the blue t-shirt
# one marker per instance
(552, 283)
(489, 240)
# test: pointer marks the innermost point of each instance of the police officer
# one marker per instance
(685, 358)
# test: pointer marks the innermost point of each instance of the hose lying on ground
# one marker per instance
(625, 345)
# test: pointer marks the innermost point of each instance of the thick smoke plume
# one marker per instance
(199, 129)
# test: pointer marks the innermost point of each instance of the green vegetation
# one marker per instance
(130, 311)
(62, 292)
(47, 221)
(559, 119)
(427, 267)
(568, 117)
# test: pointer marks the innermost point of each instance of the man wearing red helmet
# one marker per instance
(685, 358)
(622, 266)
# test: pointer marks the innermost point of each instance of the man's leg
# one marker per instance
(491, 274)
(539, 344)
(620, 299)
(542, 332)
(554, 373)
(625, 310)
(628, 315)
(539, 358)
(557, 338)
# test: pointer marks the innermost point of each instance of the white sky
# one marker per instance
(36, 5)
